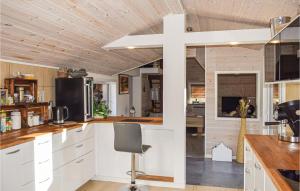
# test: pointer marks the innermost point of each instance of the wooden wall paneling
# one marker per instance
(49, 77)
(4, 72)
(227, 59)
(49, 93)
(25, 69)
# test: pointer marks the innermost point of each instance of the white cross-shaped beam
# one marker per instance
(174, 41)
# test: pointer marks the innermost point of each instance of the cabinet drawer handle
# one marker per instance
(44, 180)
(43, 143)
(44, 161)
(78, 131)
(80, 161)
(78, 146)
(247, 170)
(27, 183)
(257, 166)
(247, 149)
(13, 152)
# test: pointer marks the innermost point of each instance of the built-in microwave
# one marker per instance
(77, 95)
(282, 54)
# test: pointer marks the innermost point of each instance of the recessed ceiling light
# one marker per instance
(131, 47)
(233, 43)
(275, 41)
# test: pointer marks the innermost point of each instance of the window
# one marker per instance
(231, 88)
(197, 93)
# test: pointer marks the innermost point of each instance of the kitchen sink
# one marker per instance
(136, 120)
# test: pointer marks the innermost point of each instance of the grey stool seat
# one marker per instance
(128, 138)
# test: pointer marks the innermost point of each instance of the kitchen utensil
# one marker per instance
(60, 114)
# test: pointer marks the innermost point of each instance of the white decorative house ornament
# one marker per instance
(222, 153)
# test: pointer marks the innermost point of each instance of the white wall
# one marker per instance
(137, 95)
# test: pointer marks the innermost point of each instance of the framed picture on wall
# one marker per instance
(123, 84)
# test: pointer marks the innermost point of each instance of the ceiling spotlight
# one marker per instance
(233, 43)
(131, 47)
(275, 41)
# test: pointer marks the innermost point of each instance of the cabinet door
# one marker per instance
(88, 167)
(158, 159)
(269, 186)
(12, 163)
(259, 176)
(110, 163)
(248, 167)
(43, 168)
(72, 175)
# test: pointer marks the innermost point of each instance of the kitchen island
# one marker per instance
(264, 155)
(82, 148)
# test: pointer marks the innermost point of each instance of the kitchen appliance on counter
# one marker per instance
(77, 95)
(60, 114)
(288, 112)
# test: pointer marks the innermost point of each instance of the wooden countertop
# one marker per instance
(142, 120)
(24, 135)
(275, 154)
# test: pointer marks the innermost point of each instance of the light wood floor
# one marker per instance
(112, 186)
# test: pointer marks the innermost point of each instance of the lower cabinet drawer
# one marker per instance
(43, 170)
(28, 187)
(72, 152)
(74, 174)
(44, 184)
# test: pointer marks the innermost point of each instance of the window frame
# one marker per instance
(258, 95)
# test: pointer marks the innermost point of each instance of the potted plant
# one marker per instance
(101, 110)
(243, 111)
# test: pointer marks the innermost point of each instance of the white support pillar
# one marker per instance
(174, 89)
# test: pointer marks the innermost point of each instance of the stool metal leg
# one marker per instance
(133, 173)
(133, 186)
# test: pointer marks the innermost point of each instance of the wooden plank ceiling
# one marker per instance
(71, 32)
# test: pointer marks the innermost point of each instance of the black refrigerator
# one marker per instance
(77, 95)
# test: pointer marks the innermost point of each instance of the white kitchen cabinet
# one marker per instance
(110, 163)
(63, 156)
(78, 172)
(248, 168)
(158, 160)
(255, 176)
(113, 165)
(43, 164)
(61, 162)
(259, 175)
(14, 166)
(269, 186)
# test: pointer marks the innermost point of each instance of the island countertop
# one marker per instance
(275, 154)
(24, 135)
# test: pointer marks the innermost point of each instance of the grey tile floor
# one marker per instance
(203, 171)
(212, 173)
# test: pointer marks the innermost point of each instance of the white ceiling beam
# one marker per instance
(228, 37)
(210, 38)
(136, 41)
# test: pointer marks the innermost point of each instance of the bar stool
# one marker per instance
(128, 138)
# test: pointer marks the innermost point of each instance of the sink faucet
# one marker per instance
(132, 112)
